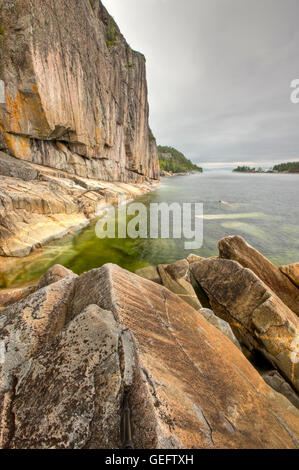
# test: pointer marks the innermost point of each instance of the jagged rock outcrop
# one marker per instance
(277, 382)
(117, 338)
(54, 274)
(11, 296)
(292, 272)
(150, 273)
(176, 277)
(236, 248)
(75, 92)
(258, 317)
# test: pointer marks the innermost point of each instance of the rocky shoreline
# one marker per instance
(76, 350)
(40, 204)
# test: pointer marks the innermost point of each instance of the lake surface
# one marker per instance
(262, 208)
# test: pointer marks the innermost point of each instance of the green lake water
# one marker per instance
(263, 208)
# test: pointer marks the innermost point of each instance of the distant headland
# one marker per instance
(172, 162)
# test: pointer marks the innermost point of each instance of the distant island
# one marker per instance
(174, 162)
(290, 167)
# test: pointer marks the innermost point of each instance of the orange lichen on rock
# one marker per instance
(19, 146)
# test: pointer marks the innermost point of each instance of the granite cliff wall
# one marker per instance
(75, 92)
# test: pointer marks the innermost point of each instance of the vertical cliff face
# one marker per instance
(75, 92)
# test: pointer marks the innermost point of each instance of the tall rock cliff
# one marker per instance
(75, 92)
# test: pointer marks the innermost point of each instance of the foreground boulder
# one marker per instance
(71, 395)
(259, 318)
(131, 344)
(235, 248)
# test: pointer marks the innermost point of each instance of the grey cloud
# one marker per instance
(219, 74)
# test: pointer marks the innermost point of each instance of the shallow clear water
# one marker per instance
(263, 208)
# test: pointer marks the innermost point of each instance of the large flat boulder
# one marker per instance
(259, 318)
(203, 388)
(235, 248)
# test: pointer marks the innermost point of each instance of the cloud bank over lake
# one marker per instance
(219, 75)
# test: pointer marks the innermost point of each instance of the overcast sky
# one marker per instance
(219, 75)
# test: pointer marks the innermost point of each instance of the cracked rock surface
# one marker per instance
(237, 249)
(258, 317)
(88, 343)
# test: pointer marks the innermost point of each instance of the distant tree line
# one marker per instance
(172, 160)
(245, 169)
(291, 167)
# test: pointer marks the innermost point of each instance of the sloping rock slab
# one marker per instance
(204, 390)
(235, 248)
(258, 316)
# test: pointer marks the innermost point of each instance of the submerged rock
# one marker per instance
(235, 248)
(258, 317)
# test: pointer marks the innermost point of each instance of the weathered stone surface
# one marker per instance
(54, 274)
(10, 166)
(258, 317)
(204, 390)
(76, 93)
(176, 277)
(235, 248)
(292, 271)
(151, 273)
(193, 258)
(220, 324)
(71, 395)
(27, 326)
(277, 382)
(11, 296)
